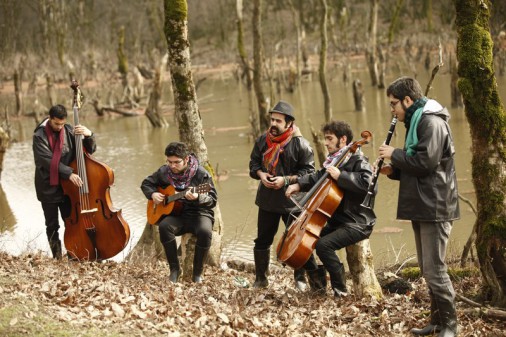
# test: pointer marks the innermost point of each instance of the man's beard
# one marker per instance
(274, 131)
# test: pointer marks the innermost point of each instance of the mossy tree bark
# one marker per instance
(487, 122)
(187, 111)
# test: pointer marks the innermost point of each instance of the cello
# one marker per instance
(94, 229)
(299, 239)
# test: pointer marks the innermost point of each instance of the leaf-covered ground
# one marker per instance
(43, 297)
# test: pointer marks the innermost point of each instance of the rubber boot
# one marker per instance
(300, 279)
(262, 258)
(55, 245)
(317, 279)
(338, 281)
(435, 323)
(448, 315)
(170, 248)
(198, 263)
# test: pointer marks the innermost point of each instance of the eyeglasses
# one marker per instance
(393, 104)
(175, 162)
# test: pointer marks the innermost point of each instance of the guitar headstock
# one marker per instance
(203, 188)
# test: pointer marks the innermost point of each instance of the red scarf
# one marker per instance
(56, 146)
(275, 146)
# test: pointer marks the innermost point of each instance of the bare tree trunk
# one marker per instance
(371, 58)
(258, 54)
(358, 95)
(385, 55)
(153, 109)
(360, 262)
(4, 143)
(487, 120)
(187, 110)
(245, 66)
(323, 61)
(456, 97)
(295, 81)
(18, 92)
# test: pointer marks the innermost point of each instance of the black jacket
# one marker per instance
(42, 155)
(296, 159)
(428, 182)
(353, 182)
(202, 206)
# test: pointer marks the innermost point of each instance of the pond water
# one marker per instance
(133, 149)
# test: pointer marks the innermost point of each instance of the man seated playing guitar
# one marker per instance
(192, 213)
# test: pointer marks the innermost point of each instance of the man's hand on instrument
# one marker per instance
(76, 180)
(189, 195)
(82, 130)
(387, 169)
(157, 197)
(385, 151)
(291, 189)
(334, 172)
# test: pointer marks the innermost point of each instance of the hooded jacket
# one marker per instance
(428, 182)
(296, 159)
(42, 155)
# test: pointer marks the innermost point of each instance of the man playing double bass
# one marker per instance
(196, 214)
(350, 222)
(54, 149)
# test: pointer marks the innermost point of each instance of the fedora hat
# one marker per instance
(284, 108)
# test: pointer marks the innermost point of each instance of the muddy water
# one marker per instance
(133, 149)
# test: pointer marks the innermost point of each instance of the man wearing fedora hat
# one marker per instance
(279, 156)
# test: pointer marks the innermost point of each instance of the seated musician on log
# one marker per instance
(350, 223)
(192, 213)
(53, 150)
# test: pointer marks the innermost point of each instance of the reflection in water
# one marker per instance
(134, 150)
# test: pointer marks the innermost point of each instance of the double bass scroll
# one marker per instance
(299, 239)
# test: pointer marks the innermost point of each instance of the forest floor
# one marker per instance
(40, 296)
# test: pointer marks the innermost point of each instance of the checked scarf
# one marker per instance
(182, 180)
(330, 158)
(56, 146)
(275, 146)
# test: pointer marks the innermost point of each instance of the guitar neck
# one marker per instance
(177, 196)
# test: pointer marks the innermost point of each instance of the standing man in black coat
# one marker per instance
(279, 156)
(350, 222)
(195, 215)
(428, 193)
(54, 149)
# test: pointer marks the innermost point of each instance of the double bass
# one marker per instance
(94, 229)
(299, 239)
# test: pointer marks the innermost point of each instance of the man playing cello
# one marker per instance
(350, 223)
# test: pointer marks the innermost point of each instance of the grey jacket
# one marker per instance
(296, 159)
(42, 155)
(428, 182)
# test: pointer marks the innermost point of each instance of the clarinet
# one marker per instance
(370, 190)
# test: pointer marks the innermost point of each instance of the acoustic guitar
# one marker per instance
(169, 204)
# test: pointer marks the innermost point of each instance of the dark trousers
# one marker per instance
(268, 223)
(51, 215)
(334, 238)
(201, 226)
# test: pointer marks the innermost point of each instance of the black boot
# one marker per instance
(55, 246)
(448, 316)
(300, 279)
(170, 248)
(317, 279)
(435, 324)
(262, 258)
(338, 281)
(198, 263)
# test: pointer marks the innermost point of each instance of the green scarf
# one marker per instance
(413, 116)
